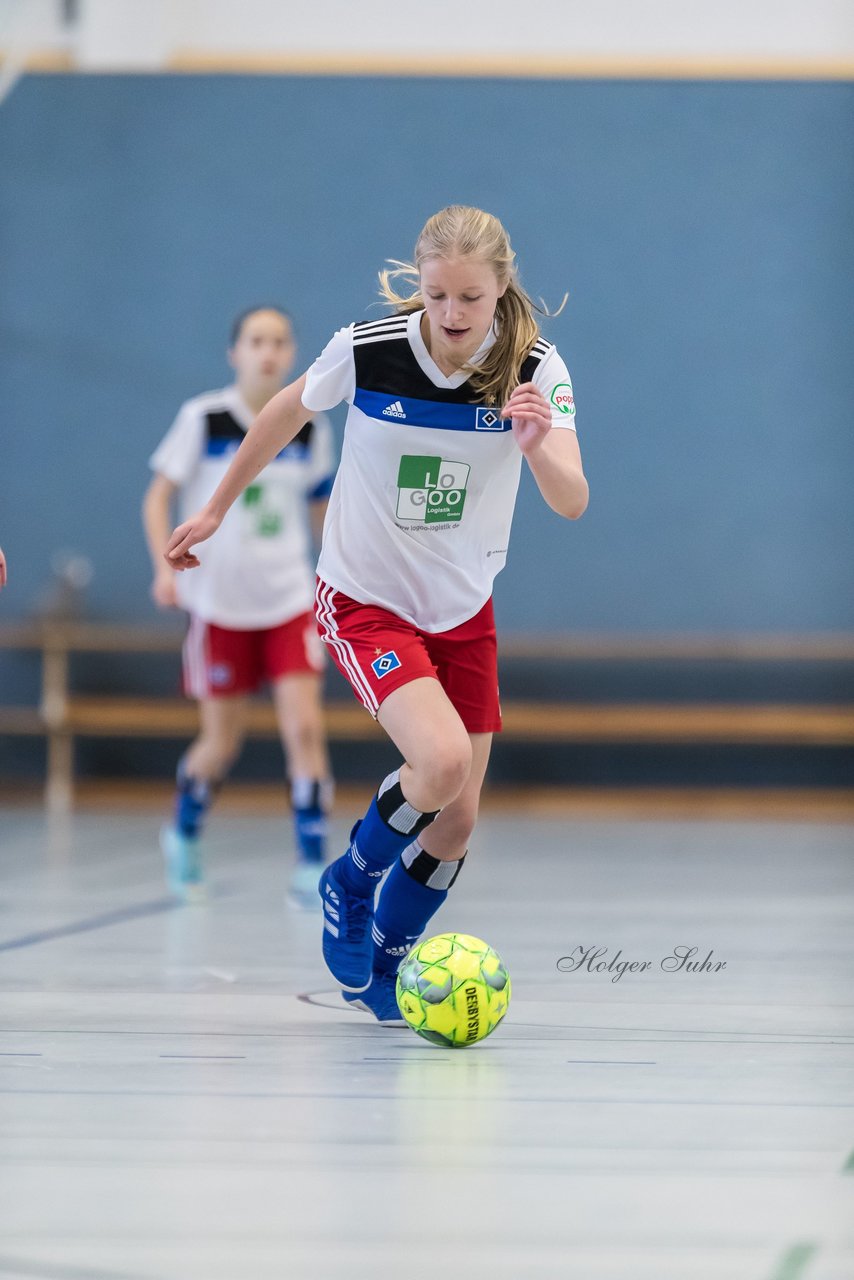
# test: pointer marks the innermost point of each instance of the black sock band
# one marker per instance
(430, 871)
(201, 791)
(396, 811)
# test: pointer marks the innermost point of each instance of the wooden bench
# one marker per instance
(62, 715)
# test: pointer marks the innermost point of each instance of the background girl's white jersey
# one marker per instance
(256, 571)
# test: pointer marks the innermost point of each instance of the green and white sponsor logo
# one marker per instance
(431, 490)
(263, 517)
(561, 398)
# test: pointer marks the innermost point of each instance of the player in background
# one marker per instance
(250, 607)
(446, 397)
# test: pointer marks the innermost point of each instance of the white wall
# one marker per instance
(592, 27)
(151, 34)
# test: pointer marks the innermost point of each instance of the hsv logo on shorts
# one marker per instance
(384, 663)
(220, 674)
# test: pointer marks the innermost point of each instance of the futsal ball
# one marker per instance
(453, 990)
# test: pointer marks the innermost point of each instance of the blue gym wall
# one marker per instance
(703, 231)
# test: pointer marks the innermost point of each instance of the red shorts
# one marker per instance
(377, 652)
(220, 662)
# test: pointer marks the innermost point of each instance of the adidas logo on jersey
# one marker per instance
(395, 410)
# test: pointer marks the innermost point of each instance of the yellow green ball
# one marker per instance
(453, 990)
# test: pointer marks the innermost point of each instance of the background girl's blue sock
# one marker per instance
(192, 801)
(310, 803)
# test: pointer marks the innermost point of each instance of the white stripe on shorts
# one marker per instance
(326, 617)
(195, 674)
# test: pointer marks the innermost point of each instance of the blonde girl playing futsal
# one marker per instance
(250, 606)
(446, 398)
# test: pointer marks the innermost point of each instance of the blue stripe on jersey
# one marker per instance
(219, 446)
(429, 413)
(321, 490)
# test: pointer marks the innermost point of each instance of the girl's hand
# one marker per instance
(2, 568)
(163, 589)
(198, 528)
(531, 416)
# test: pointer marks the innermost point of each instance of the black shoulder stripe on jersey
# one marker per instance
(373, 334)
(382, 328)
(392, 316)
(387, 322)
(222, 425)
(530, 365)
(386, 363)
(379, 326)
(398, 336)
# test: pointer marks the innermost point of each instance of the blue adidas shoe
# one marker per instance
(183, 858)
(379, 998)
(347, 918)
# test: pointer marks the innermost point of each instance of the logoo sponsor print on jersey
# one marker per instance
(431, 490)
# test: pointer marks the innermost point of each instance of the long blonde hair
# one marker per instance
(462, 232)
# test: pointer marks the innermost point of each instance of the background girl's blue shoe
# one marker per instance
(183, 858)
(303, 888)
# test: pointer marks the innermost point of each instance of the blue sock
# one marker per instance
(192, 801)
(309, 801)
(413, 892)
(376, 842)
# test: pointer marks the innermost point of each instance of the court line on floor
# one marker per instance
(206, 1057)
(59, 1271)
(324, 1000)
(701, 1037)
(103, 921)
(330, 1032)
(611, 1062)
(754, 1103)
(698, 1031)
(598, 1062)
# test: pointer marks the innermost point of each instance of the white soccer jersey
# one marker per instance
(420, 513)
(256, 570)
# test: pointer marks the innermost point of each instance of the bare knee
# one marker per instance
(303, 733)
(461, 820)
(439, 773)
(212, 755)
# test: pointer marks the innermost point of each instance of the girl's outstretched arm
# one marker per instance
(276, 425)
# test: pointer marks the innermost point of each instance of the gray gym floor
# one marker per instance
(184, 1095)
